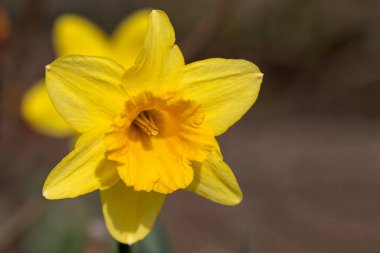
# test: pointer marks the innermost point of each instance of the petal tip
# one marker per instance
(238, 200)
(155, 12)
(233, 201)
(46, 194)
(126, 238)
(130, 241)
(49, 193)
(158, 14)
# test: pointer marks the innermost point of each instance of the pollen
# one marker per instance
(145, 123)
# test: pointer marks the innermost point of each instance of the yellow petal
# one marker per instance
(129, 214)
(225, 88)
(160, 64)
(128, 37)
(73, 34)
(39, 112)
(82, 171)
(86, 90)
(214, 180)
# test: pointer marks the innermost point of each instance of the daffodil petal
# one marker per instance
(86, 90)
(39, 113)
(159, 66)
(73, 34)
(225, 88)
(84, 170)
(128, 37)
(214, 180)
(129, 214)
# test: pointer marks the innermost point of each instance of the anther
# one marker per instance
(145, 122)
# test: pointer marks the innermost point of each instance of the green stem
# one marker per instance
(124, 248)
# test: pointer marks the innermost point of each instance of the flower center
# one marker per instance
(145, 123)
(155, 141)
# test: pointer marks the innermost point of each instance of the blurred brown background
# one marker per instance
(306, 155)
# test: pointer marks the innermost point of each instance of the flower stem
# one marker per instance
(124, 248)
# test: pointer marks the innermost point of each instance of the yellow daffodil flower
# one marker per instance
(73, 34)
(149, 130)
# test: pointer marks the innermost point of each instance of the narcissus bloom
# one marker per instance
(149, 130)
(73, 34)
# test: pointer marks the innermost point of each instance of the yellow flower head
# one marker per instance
(73, 34)
(149, 130)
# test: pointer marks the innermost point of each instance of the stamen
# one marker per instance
(145, 122)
